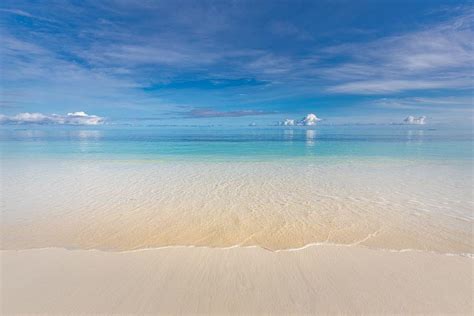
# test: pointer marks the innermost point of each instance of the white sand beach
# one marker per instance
(187, 280)
(224, 157)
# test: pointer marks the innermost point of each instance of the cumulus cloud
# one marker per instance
(309, 120)
(411, 120)
(73, 118)
(287, 122)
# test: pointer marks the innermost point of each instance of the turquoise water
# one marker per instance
(245, 143)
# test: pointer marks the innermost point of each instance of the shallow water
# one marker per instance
(391, 187)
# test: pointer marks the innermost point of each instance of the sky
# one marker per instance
(235, 62)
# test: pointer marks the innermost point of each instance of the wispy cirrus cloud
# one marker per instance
(34, 75)
(206, 84)
(23, 13)
(286, 29)
(147, 58)
(17, 12)
(392, 86)
(437, 57)
(446, 104)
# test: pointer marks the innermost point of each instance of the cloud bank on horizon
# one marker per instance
(411, 120)
(74, 118)
(309, 120)
(215, 60)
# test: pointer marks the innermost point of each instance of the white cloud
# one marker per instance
(448, 103)
(108, 63)
(24, 14)
(38, 77)
(74, 118)
(411, 120)
(388, 86)
(17, 12)
(309, 120)
(287, 122)
(436, 57)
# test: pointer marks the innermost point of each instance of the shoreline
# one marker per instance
(238, 246)
(238, 280)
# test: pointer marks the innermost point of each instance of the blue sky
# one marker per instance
(235, 62)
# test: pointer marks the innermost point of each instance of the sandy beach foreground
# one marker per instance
(186, 280)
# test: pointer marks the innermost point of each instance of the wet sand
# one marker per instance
(188, 280)
(129, 205)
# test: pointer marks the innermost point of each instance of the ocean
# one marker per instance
(238, 143)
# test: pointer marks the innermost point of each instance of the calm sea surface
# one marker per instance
(247, 143)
